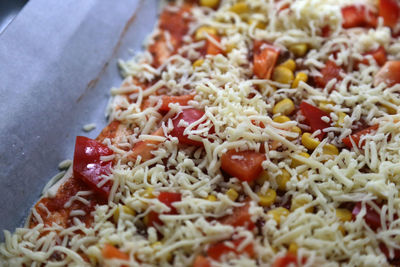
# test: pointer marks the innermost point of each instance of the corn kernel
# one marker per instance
(146, 220)
(211, 198)
(293, 247)
(278, 213)
(300, 77)
(324, 105)
(149, 193)
(282, 179)
(344, 215)
(124, 209)
(201, 32)
(296, 129)
(281, 119)
(296, 162)
(299, 50)
(156, 244)
(330, 149)
(300, 201)
(282, 75)
(289, 64)
(209, 3)
(390, 109)
(264, 177)
(232, 194)
(341, 229)
(229, 48)
(340, 121)
(309, 142)
(259, 24)
(198, 63)
(239, 8)
(268, 198)
(284, 107)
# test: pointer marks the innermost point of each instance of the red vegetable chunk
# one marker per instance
(89, 167)
(211, 47)
(313, 117)
(181, 100)
(357, 136)
(388, 74)
(289, 259)
(265, 57)
(188, 116)
(358, 16)
(216, 251)
(201, 261)
(389, 10)
(245, 165)
(379, 56)
(329, 72)
(372, 218)
(239, 217)
(168, 198)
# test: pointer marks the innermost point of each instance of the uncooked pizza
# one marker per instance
(247, 133)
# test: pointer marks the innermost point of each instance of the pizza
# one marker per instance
(247, 133)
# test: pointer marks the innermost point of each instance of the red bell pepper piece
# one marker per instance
(201, 261)
(379, 55)
(189, 116)
(216, 251)
(145, 148)
(239, 217)
(329, 72)
(385, 250)
(357, 136)
(87, 164)
(211, 47)
(388, 74)
(313, 119)
(358, 16)
(372, 218)
(286, 260)
(389, 10)
(168, 198)
(264, 60)
(111, 252)
(181, 100)
(245, 165)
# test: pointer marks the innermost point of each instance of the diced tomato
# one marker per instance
(188, 116)
(239, 217)
(372, 218)
(88, 167)
(145, 148)
(388, 74)
(286, 261)
(379, 55)
(326, 31)
(313, 117)
(211, 47)
(329, 72)
(109, 131)
(168, 198)
(358, 16)
(216, 251)
(385, 250)
(357, 136)
(201, 261)
(389, 10)
(265, 57)
(111, 252)
(181, 100)
(245, 165)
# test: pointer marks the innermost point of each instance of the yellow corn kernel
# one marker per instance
(211, 198)
(149, 193)
(300, 77)
(209, 3)
(156, 244)
(239, 8)
(229, 48)
(344, 215)
(300, 201)
(284, 107)
(282, 179)
(324, 105)
(259, 24)
(281, 119)
(232, 194)
(296, 162)
(168, 256)
(341, 229)
(201, 32)
(309, 142)
(278, 213)
(198, 63)
(262, 178)
(390, 109)
(282, 75)
(290, 64)
(296, 129)
(124, 209)
(268, 198)
(299, 50)
(330, 149)
(340, 121)
(293, 247)
(146, 220)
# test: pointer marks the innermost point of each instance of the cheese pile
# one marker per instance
(233, 98)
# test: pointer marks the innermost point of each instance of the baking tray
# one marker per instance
(58, 60)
